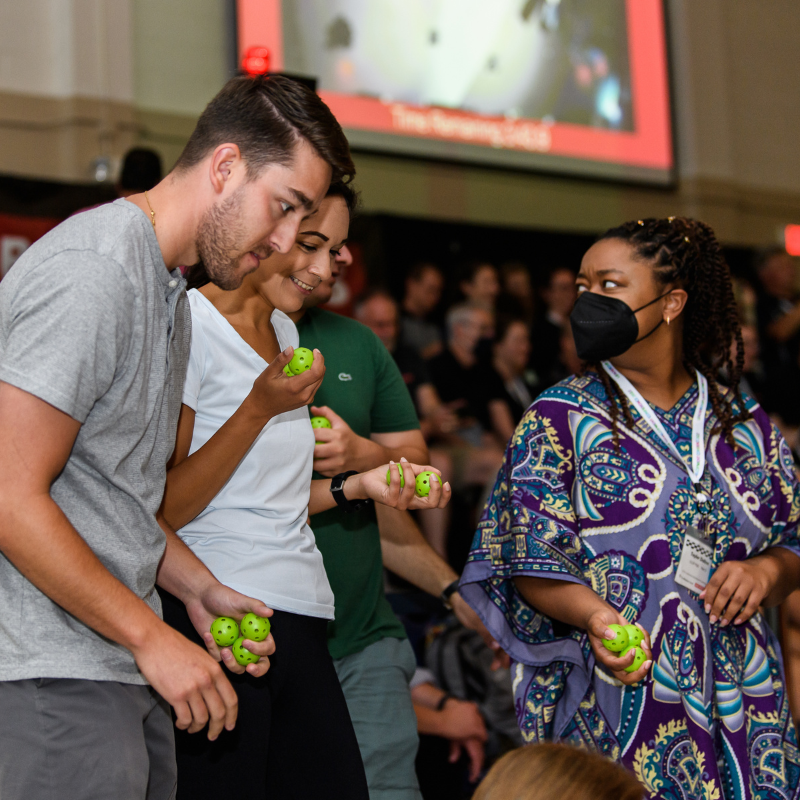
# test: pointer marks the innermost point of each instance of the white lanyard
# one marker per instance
(698, 464)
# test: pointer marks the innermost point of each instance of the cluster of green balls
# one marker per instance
(627, 637)
(423, 481)
(302, 360)
(227, 633)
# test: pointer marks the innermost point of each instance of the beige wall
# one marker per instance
(736, 79)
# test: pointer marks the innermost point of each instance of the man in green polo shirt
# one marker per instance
(373, 418)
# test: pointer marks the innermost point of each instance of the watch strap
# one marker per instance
(448, 592)
(337, 490)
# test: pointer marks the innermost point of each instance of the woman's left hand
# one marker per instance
(735, 591)
(373, 484)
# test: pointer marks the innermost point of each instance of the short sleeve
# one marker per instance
(393, 409)
(195, 369)
(67, 326)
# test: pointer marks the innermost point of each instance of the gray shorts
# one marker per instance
(375, 685)
(64, 739)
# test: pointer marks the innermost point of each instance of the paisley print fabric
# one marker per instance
(712, 718)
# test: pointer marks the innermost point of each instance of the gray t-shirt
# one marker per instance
(92, 323)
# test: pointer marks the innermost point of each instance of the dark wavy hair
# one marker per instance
(266, 117)
(685, 252)
(196, 275)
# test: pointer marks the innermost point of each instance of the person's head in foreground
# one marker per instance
(557, 772)
(259, 162)
(656, 289)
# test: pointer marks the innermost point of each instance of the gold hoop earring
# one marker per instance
(667, 320)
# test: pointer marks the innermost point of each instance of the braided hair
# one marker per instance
(686, 252)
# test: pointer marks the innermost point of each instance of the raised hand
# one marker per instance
(274, 393)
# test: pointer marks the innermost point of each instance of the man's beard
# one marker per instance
(219, 234)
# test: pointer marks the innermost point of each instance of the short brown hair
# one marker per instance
(266, 117)
(551, 771)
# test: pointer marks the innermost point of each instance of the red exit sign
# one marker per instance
(792, 239)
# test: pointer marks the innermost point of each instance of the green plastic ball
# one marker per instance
(423, 487)
(225, 631)
(620, 642)
(302, 360)
(635, 635)
(242, 655)
(320, 422)
(254, 627)
(639, 658)
(389, 477)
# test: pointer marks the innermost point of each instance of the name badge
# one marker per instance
(694, 567)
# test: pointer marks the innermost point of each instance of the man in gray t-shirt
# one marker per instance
(94, 341)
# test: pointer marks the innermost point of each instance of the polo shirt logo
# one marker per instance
(343, 376)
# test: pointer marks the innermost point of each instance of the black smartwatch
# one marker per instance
(337, 490)
(447, 593)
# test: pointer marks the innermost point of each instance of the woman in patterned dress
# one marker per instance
(602, 486)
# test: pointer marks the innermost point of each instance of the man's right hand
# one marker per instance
(189, 679)
(274, 393)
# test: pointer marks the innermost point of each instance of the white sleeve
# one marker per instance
(195, 371)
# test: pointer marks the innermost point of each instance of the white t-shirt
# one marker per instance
(254, 535)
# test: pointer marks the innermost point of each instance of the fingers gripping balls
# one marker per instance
(302, 360)
(423, 481)
(627, 637)
(227, 633)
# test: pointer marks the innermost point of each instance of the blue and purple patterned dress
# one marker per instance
(712, 719)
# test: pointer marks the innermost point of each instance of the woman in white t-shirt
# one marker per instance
(239, 492)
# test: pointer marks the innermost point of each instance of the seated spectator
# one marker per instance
(779, 333)
(510, 357)
(557, 771)
(446, 725)
(459, 379)
(559, 296)
(480, 285)
(516, 298)
(424, 286)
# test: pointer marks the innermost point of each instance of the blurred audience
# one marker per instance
(510, 356)
(517, 296)
(559, 296)
(423, 291)
(456, 373)
(480, 285)
(779, 333)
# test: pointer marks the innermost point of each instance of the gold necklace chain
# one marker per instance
(152, 213)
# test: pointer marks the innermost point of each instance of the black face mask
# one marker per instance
(605, 327)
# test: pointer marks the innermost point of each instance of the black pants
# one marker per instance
(293, 738)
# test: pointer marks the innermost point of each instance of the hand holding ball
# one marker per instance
(227, 633)
(627, 637)
(320, 422)
(389, 477)
(422, 486)
(302, 360)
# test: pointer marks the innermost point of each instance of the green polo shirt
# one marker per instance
(364, 387)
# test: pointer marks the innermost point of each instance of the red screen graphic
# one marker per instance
(610, 115)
